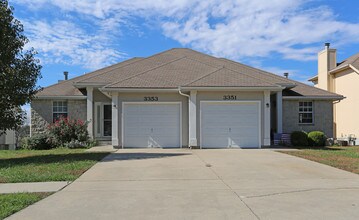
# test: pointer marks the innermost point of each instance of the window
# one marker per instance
(59, 108)
(305, 112)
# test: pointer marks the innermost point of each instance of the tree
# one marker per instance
(19, 70)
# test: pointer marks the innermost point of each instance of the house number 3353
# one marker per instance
(229, 97)
(150, 98)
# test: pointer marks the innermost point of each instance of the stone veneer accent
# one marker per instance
(323, 117)
(41, 113)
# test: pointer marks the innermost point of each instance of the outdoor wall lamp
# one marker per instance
(267, 105)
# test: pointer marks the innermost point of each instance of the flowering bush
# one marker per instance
(67, 132)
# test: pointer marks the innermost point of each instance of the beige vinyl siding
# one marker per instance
(346, 111)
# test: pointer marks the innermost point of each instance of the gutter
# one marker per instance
(340, 69)
(104, 89)
(313, 97)
(60, 97)
(278, 88)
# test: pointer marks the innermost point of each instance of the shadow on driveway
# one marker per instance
(140, 156)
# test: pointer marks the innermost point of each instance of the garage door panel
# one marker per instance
(234, 124)
(151, 125)
(217, 142)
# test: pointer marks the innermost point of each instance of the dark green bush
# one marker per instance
(316, 139)
(299, 139)
(36, 142)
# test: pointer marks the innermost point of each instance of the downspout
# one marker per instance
(188, 96)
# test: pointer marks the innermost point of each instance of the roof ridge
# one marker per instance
(110, 69)
(199, 78)
(143, 72)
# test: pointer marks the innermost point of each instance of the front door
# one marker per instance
(103, 120)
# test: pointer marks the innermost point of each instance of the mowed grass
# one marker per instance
(45, 165)
(345, 158)
(14, 202)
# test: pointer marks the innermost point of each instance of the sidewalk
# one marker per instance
(32, 187)
(104, 148)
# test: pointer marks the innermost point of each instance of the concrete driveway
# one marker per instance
(203, 184)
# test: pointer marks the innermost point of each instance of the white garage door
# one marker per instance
(151, 125)
(230, 124)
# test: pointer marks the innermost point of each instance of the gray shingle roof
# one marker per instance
(353, 60)
(180, 67)
(67, 88)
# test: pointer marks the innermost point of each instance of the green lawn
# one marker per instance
(45, 165)
(346, 158)
(14, 202)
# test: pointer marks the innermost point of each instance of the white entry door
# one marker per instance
(151, 124)
(103, 120)
(230, 124)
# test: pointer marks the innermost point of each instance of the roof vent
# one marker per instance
(66, 74)
(286, 75)
(327, 45)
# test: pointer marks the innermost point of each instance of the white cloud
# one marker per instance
(64, 42)
(228, 28)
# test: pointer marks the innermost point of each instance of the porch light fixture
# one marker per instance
(267, 105)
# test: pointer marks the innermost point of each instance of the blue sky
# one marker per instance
(278, 35)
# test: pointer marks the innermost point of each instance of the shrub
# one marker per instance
(316, 138)
(36, 142)
(299, 138)
(70, 133)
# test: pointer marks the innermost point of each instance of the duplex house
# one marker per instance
(184, 98)
(341, 78)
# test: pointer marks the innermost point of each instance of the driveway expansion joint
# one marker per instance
(230, 188)
(299, 191)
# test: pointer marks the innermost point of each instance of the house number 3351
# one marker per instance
(229, 97)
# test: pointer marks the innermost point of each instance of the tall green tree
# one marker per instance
(19, 69)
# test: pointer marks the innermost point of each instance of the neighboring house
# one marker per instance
(181, 98)
(341, 78)
(8, 140)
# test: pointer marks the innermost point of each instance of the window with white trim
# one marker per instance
(59, 109)
(306, 113)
